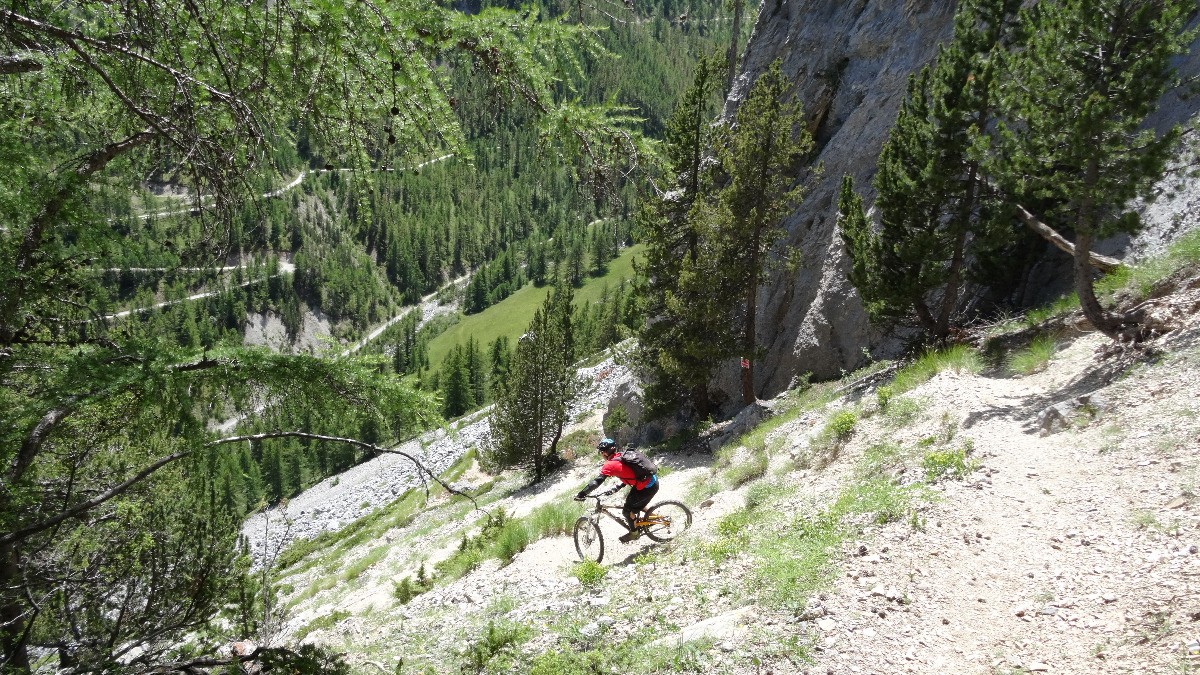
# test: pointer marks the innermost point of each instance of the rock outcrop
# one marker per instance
(849, 62)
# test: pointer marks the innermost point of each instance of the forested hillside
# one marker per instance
(172, 173)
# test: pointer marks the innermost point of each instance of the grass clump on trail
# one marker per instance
(589, 572)
(958, 359)
(1033, 358)
(949, 462)
(503, 537)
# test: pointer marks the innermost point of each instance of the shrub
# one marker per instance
(884, 396)
(497, 641)
(589, 572)
(950, 463)
(842, 425)
(829, 441)
(404, 591)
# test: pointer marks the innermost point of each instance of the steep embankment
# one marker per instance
(964, 521)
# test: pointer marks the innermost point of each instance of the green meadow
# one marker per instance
(511, 316)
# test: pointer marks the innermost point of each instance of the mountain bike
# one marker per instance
(661, 522)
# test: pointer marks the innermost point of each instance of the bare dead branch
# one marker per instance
(1101, 262)
(422, 470)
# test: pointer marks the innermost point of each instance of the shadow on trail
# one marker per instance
(1097, 377)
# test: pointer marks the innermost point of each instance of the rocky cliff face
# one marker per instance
(849, 62)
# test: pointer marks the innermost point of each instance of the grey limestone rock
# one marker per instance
(849, 61)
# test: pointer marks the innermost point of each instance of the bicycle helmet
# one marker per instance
(607, 446)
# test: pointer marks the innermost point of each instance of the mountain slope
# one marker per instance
(949, 524)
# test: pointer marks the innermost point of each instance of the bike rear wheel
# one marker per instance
(589, 543)
(670, 519)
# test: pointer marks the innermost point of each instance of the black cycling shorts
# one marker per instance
(638, 500)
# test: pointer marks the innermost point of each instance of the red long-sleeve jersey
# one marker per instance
(616, 468)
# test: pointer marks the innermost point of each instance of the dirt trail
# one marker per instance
(1057, 556)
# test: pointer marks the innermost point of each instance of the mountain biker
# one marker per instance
(639, 497)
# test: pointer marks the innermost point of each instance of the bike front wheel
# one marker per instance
(668, 520)
(589, 543)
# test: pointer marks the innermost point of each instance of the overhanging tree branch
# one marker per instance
(1100, 262)
(11, 65)
(9, 16)
(81, 508)
(423, 470)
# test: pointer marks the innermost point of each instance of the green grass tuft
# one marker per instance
(750, 468)
(1060, 307)
(885, 501)
(589, 572)
(1034, 357)
(359, 566)
(557, 517)
(949, 463)
(321, 623)
(958, 359)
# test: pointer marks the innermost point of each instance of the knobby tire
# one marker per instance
(681, 519)
(589, 542)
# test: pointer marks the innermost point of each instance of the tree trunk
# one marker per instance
(1102, 319)
(731, 58)
(748, 337)
(748, 396)
(1085, 226)
(701, 400)
(953, 280)
(925, 317)
(14, 655)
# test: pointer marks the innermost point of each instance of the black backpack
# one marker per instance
(642, 466)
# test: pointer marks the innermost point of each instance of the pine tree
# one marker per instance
(531, 408)
(767, 140)
(675, 347)
(931, 184)
(457, 397)
(1086, 76)
(476, 373)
